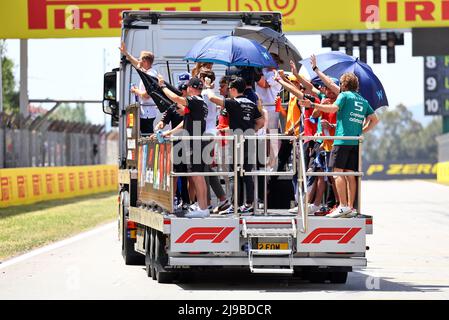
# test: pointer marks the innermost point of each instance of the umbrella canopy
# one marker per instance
(273, 41)
(231, 51)
(335, 64)
(155, 92)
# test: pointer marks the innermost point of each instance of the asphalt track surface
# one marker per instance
(409, 259)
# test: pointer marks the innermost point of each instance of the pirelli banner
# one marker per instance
(400, 170)
(101, 18)
(443, 172)
(29, 185)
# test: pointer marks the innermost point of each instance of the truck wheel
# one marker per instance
(161, 260)
(317, 277)
(153, 254)
(338, 277)
(130, 256)
(149, 252)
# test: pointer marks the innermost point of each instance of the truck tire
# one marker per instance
(153, 253)
(149, 252)
(130, 256)
(339, 277)
(317, 276)
(161, 260)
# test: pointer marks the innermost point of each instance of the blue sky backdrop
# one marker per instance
(73, 69)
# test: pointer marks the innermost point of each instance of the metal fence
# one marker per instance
(443, 148)
(44, 143)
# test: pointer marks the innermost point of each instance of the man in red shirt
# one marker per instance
(326, 127)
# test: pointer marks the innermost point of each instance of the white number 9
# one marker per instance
(431, 83)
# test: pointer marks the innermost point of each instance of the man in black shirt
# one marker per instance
(244, 117)
(194, 110)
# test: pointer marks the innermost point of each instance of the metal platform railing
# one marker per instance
(298, 168)
(303, 174)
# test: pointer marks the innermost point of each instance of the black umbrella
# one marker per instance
(151, 85)
(275, 42)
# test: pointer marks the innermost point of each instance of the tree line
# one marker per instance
(400, 137)
(65, 112)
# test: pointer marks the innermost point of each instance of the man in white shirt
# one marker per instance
(268, 89)
(148, 109)
(208, 77)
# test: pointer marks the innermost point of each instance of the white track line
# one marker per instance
(57, 245)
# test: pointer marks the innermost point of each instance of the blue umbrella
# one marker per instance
(336, 63)
(231, 51)
(319, 82)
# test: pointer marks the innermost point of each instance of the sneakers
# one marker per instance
(229, 210)
(246, 210)
(198, 213)
(293, 210)
(222, 206)
(323, 211)
(352, 214)
(177, 205)
(340, 212)
(194, 206)
(313, 208)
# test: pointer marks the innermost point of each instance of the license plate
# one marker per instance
(272, 246)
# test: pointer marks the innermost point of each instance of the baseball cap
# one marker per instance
(195, 83)
(182, 86)
(184, 77)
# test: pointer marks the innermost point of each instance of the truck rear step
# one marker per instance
(289, 233)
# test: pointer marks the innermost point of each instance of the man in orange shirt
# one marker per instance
(326, 127)
(292, 126)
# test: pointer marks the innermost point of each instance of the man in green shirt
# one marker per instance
(354, 117)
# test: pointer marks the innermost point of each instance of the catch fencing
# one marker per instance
(39, 142)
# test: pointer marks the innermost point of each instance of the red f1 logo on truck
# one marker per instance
(216, 234)
(342, 235)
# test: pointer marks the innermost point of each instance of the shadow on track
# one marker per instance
(244, 280)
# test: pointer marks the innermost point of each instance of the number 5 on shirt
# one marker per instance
(358, 106)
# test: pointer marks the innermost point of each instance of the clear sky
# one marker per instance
(73, 69)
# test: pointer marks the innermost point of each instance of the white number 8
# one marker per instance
(431, 62)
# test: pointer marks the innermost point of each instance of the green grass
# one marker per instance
(24, 228)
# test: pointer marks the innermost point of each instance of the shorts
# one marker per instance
(328, 160)
(345, 157)
(189, 167)
(147, 126)
(309, 154)
(196, 164)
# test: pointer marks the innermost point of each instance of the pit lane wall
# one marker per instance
(22, 186)
(443, 158)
